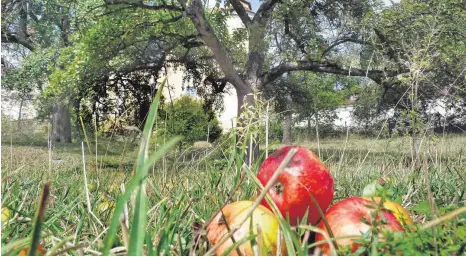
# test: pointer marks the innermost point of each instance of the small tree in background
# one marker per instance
(187, 117)
(312, 97)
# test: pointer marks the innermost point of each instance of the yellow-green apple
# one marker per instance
(6, 215)
(264, 225)
(400, 213)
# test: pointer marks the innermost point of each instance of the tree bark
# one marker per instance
(309, 129)
(286, 126)
(287, 122)
(77, 113)
(327, 67)
(61, 123)
(254, 67)
(61, 118)
(317, 134)
(141, 114)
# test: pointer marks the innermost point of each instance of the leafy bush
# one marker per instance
(188, 118)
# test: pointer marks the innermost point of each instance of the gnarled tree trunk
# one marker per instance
(255, 76)
(286, 126)
(61, 123)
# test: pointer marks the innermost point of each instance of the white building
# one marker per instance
(12, 106)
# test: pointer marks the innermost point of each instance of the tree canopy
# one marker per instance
(85, 52)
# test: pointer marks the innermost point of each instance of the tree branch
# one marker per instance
(195, 11)
(341, 41)
(239, 9)
(390, 50)
(184, 59)
(33, 16)
(10, 38)
(256, 54)
(144, 6)
(297, 41)
(158, 22)
(263, 13)
(327, 67)
(142, 66)
(218, 84)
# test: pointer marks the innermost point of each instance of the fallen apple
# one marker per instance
(6, 216)
(351, 217)
(400, 213)
(91, 187)
(264, 225)
(40, 251)
(106, 207)
(114, 189)
(304, 176)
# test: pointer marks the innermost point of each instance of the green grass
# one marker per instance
(176, 194)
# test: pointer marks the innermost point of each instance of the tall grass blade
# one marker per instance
(149, 245)
(85, 135)
(139, 176)
(38, 220)
(238, 243)
(136, 239)
(138, 227)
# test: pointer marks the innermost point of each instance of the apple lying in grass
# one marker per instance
(400, 213)
(40, 251)
(264, 225)
(303, 177)
(6, 215)
(106, 208)
(350, 218)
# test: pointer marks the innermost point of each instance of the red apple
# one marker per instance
(345, 219)
(305, 175)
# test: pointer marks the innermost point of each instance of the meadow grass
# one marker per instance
(177, 194)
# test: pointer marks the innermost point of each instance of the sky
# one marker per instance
(255, 4)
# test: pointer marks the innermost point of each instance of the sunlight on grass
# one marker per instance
(165, 195)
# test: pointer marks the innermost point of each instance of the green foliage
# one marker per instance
(313, 95)
(31, 75)
(368, 108)
(112, 41)
(426, 38)
(443, 240)
(275, 129)
(187, 117)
